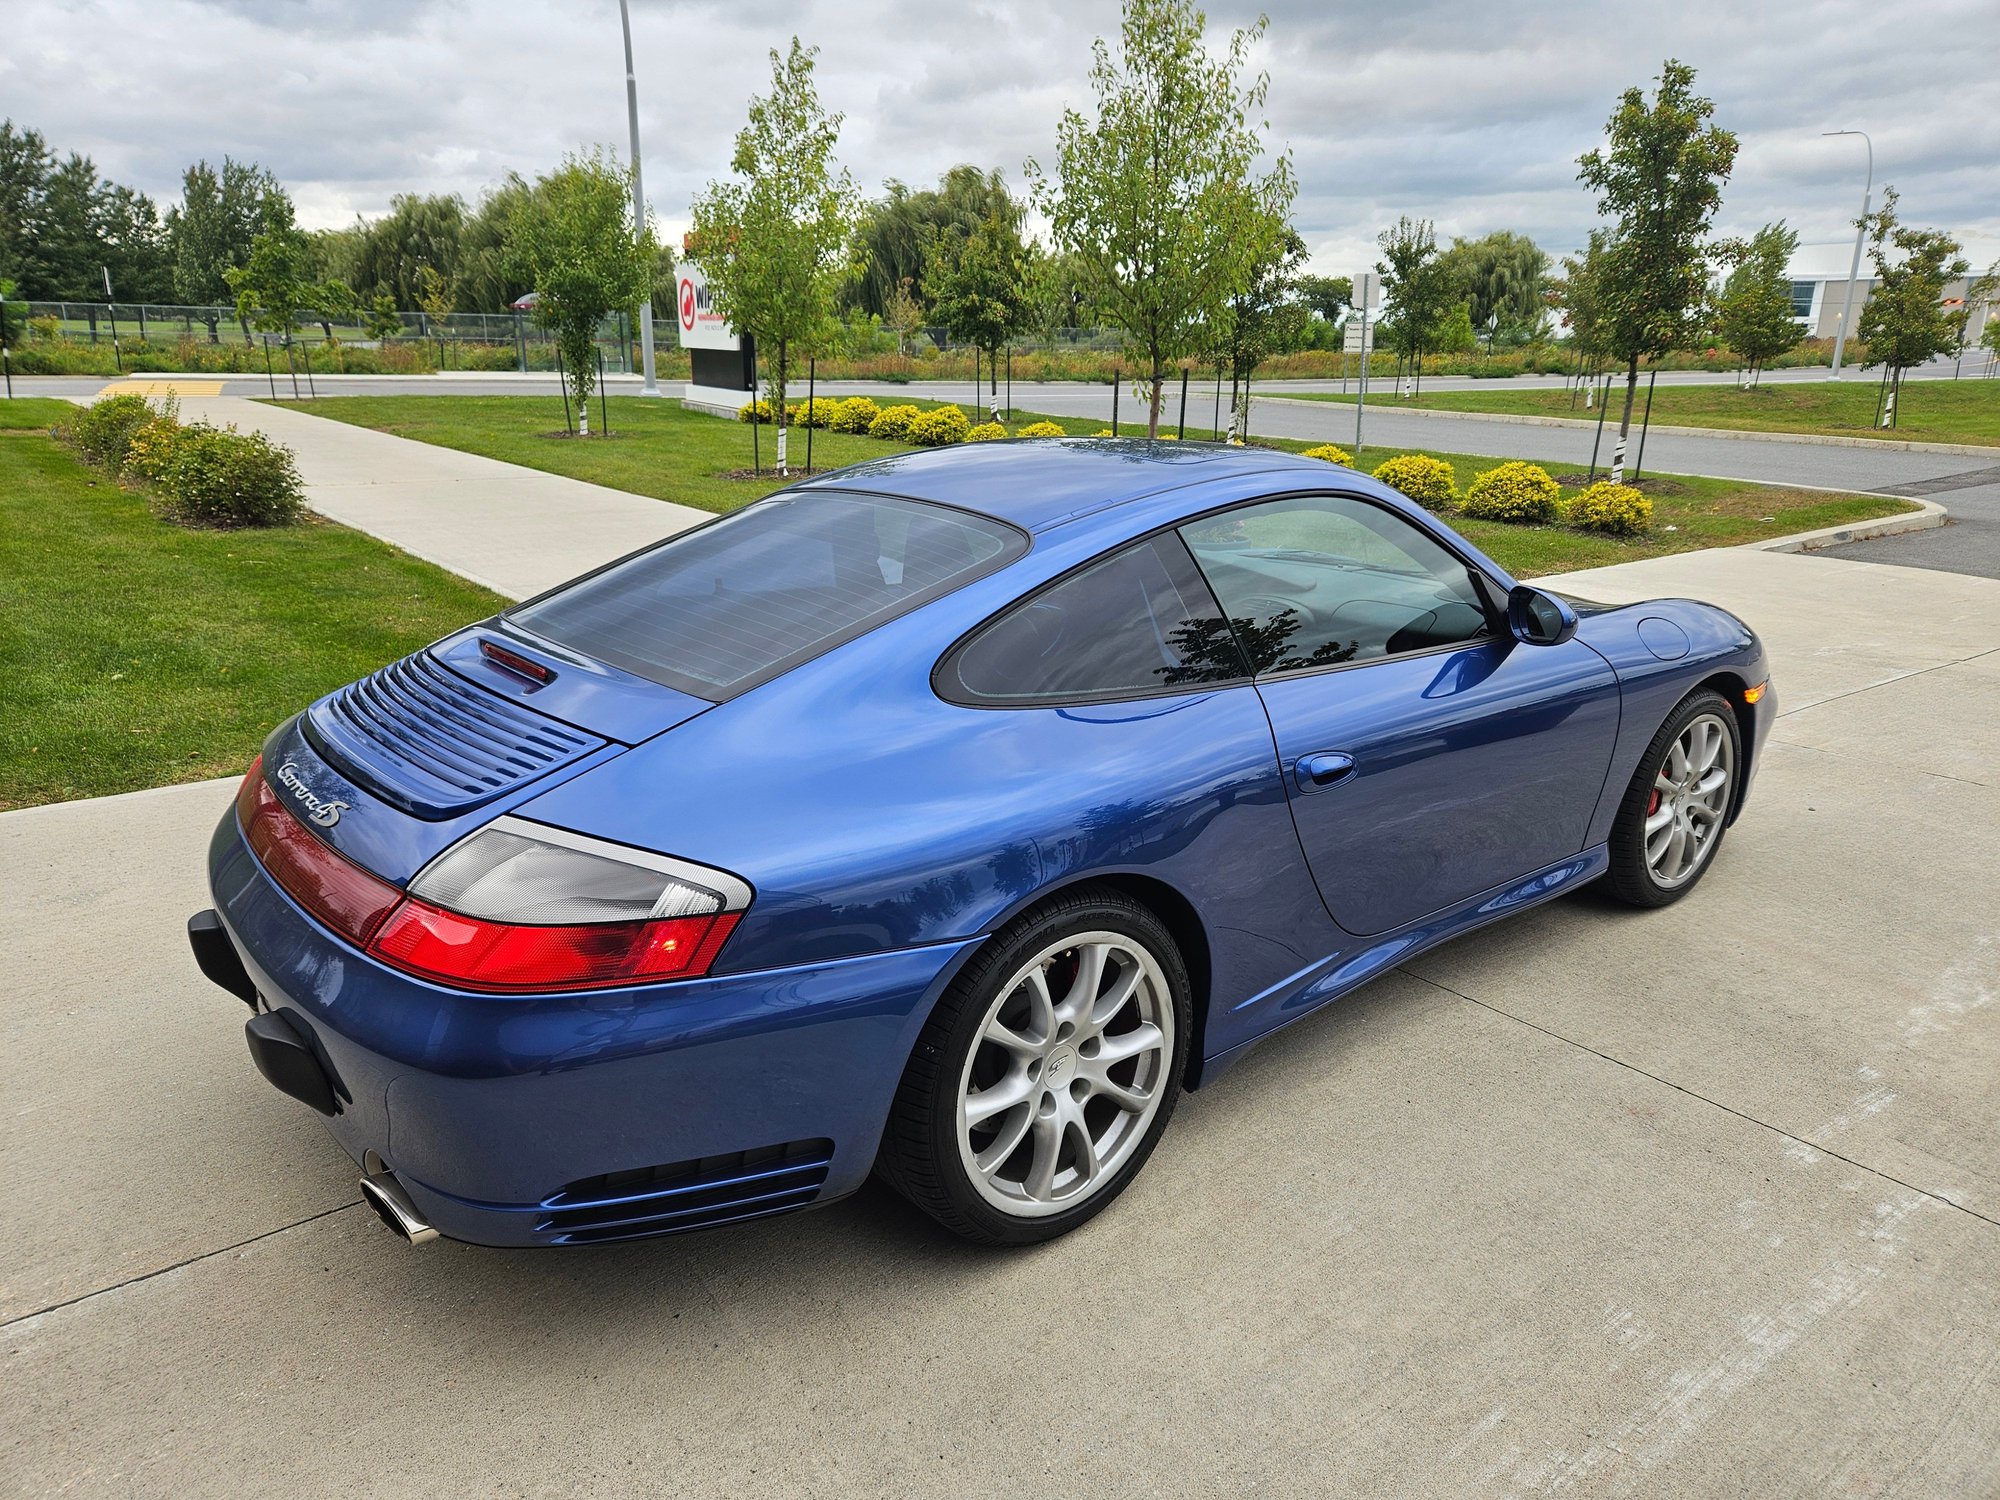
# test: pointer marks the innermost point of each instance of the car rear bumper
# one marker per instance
(543, 1120)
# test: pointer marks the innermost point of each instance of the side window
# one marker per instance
(1141, 621)
(1324, 579)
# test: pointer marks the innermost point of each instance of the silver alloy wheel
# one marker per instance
(1066, 1073)
(1690, 798)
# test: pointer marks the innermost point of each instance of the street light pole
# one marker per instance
(1854, 267)
(652, 385)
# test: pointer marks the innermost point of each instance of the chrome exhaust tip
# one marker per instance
(392, 1205)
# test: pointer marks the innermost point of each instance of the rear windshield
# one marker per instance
(735, 603)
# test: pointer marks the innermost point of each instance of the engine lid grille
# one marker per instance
(427, 741)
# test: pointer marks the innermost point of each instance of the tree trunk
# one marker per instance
(778, 414)
(1155, 384)
(1625, 421)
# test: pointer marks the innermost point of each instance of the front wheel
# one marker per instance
(1046, 1074)
(1672, 819)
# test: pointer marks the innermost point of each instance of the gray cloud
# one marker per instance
(1469, 114)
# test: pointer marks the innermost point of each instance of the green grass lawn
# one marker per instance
(1931, 411)
(659, 449)
(33, 413)
(137, 653)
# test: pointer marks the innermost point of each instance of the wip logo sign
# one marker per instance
(687, 304)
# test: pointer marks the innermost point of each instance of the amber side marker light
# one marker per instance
(1751, 695)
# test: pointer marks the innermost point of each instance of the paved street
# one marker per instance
(1696, 1202)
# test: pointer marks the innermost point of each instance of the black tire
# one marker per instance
(1631, 877)
(921, 1150)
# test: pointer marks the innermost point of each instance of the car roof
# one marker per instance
(1037, 483)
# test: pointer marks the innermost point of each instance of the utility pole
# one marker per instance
(1854, 268)
(652, 384)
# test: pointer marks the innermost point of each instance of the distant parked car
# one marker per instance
(941, 817)
(527, 302)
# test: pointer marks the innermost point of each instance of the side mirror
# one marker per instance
(1537, 618)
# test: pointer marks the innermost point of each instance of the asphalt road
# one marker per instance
(1696, 1202)
(1967, 484)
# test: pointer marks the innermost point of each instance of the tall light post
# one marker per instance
(1853, 269)
(652, 385)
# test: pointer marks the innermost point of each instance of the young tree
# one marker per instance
(275, 285)
(1659, 179)
(1266, 315)
(434, 297)
(1754, 317)
(773, 244)
(1419, 287)
(1904, 322)
(1159, 196)
(381, 320)
(977, 286)
(905, 314)
(574, 241)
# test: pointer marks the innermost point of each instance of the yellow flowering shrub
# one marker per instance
(1043, 429)
(754, 411)
(1431, 482)
(1329, 453)
(893, 422)
(939, 426)
(1515, 491)
(986, 432)
(852, 415)
(1615, 509)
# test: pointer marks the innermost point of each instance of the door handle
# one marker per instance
(1324, 769)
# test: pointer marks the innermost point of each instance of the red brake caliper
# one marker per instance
(1653, 802)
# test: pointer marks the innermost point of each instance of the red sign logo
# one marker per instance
(687, 304)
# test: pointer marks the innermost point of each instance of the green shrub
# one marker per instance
(151, 452)
(1431, 482)
(852, 415)
(1330, 453)
(1514, 491)
(489, 357)
(893, 423)
(940, 426)
(102, 431)
(986, 432)
(221, 477)
(1615, 509)
(1043, 429)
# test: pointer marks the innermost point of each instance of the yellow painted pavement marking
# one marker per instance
(163, 388)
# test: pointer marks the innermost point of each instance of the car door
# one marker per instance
(1429, 756)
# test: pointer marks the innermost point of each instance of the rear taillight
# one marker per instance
(330, 886)
(514, 908)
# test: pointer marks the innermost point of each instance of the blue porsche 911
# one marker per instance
(943, 818)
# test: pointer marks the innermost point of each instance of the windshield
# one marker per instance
(745, 598)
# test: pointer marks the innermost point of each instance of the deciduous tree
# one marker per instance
(1502, 277)
(1659, 179)
(1905, 322)
(1266, 315)
(219, 216)
(1754, 315)
(1160, 196)
(574, 241)
(774, 242)
(1419, 288)
(977, 285)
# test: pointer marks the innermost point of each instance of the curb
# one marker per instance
(1733, 434)
(1929, 517)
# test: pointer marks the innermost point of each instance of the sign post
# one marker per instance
(1361, 340)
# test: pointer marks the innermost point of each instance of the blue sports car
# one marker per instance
(943, 818)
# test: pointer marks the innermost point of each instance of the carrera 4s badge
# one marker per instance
(324, 811)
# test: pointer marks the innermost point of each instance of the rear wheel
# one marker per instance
(1670, 824)
(1046, 1075)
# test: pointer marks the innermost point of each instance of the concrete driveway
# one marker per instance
(1699, 1202)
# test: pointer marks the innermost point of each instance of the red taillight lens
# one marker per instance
(480, 952)
(330, 886)
(475, 954)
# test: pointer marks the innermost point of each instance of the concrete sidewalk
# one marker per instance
(516, 530)
(1695, 1202)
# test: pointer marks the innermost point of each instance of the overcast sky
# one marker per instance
(1471, 114)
